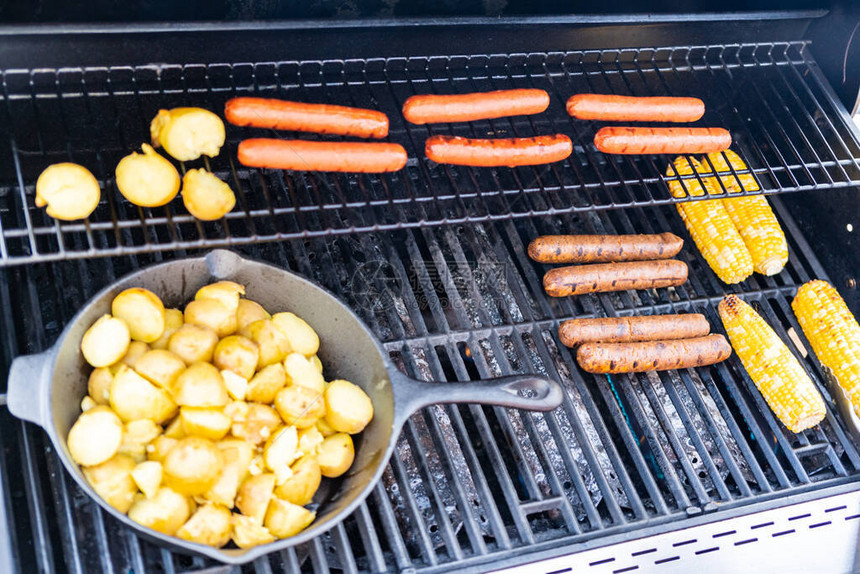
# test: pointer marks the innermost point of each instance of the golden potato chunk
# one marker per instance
(254, 423)
(324, 428)
(228, 292)
(136, 349)
(303, 339)
(280, 452)
(316, 363)
(164, 512)
(159, 448)
(174, 429)
(187, 133)
(213, 314)
(142, 311)
(249, 312)
(266, 384)
(136, 436)
(112, 481)
(147, 179)
(88, 403)
(209, 525)
(247, 533)
(106, 341)
(285, 519)
(303, 484)
(200, 385)
(300, 406)
(347, 407)
(69, 190)
(147, 476)
(237, 354)
(193, 343)
(205, 196)
(173, 319)
(336, 455)
(132, 397)
(272, 342)
(254, 496)
(160, 367)
(236, 386)
(310, 440)
(98, 385)
(237, 455)
(301, 371)
(208, 423)
(192, 465)
(95, 437)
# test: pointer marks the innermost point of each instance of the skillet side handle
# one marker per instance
(28, 377)
(529, 392)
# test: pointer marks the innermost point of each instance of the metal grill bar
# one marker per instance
(794, 138)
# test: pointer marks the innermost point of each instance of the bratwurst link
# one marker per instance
(653, 355)
(579, 279)
(604, 248)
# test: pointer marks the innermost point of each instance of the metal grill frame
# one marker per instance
(804, 142)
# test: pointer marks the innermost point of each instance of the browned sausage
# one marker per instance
(302, 155)
(302, 117)
(579, 279)
(613, 108)
(603, 248)
(631, 329)
(626, 140)
(509, 152)
(428, 109)
(653, 355)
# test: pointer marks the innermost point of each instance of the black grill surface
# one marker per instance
(772, 97)
(441, 275)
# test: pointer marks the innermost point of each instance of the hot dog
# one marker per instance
(498, 152)
(322, 156)
(302, 117)
(603, 248)
(579, 279)
(627, 140)
(612, 108)
(428, 109)
(652, 355)
(631, 329)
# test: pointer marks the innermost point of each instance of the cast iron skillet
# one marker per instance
(47, 388)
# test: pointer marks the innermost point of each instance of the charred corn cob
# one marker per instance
(776, 372)
(833, 333)
(752, 216)
(710, 225)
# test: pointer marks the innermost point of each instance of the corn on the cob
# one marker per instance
(780, 378)
(710, 226)
(833, 333)
(752, 216)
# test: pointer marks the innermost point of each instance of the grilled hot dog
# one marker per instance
(428, 109)
(304, 155)
(302, 117)
(613, 108)
(627, 140)
(631, 329)
(603, 248)
(579, 279)
(498, 152)
(652, 355)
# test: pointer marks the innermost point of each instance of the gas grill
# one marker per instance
(433, 259)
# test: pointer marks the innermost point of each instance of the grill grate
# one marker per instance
(627, 455)
(772, 97)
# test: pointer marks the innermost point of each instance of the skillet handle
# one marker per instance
(29, 376)
(529, 392)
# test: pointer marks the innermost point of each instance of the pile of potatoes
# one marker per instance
(212, 424)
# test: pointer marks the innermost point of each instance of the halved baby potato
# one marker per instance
(280, 451)
(160, 367)
(98, 385)
(173, 319)
(200, 385)
(300, 406)
(210, 525)
(253, 422)
(132, 397)
(69, 190)
(159, 448)
(208, 423)
(302, 371)
(136, 349)
(336, 455)
(310, 439)
(237, 354)
(206, 196)
(266, 384)
(142, 311)
(147, 179)
(136, 436)
(187, 133)
(112, 480)
(273, 343)
(193, 343)
(106, 341)
(164, 512)
(347, 407)
(248, 312)
(236, 386)
(303, 484)
(191, 467)
(147, 476)
(284, 519)
(213, 314)
(247, 533)
(303, 339)
(237, 455)
(228, 292)
(315, 360)
(95, 437)
(254, 496)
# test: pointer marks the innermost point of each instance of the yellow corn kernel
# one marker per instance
(752, 216)
(710, 226)
(776, 372)
(833, 333)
